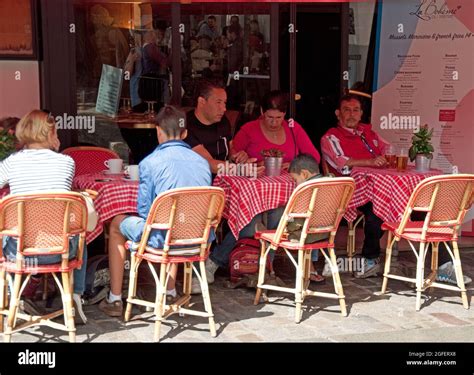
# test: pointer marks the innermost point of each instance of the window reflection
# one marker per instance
(232, 49)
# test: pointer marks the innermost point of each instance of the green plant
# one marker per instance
(421, 143)
(7, 143)
(272, 153)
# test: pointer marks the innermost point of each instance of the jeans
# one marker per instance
(132, 229)
(9, 251)
(221, 253)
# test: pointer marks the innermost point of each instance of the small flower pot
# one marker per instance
(273, 166)
(422, 163)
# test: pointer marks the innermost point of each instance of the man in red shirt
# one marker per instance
(353, 144)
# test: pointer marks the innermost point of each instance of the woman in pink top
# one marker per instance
(271, 130)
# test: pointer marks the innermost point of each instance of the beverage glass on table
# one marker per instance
(402, 159)
(391, 157)
(132, 171)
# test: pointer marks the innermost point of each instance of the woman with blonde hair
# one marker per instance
(38, 166)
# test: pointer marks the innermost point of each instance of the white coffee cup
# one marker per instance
(132, 171)
(114, 165)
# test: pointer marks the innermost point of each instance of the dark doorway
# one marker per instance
(318, 68)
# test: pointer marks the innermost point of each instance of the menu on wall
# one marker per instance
(110, 88)
(424, 76)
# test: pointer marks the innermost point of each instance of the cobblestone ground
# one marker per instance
(371, 316)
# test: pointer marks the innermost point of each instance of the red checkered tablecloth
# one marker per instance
(247, 197)
(387, 189)
(116, 196)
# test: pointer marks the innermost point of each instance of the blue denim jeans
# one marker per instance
(132, 229)
(9, 251)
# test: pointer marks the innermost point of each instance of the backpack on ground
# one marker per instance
(244, 259)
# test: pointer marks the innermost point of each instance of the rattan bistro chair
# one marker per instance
(321, 203)
(351, 225)
(89, 159)
(445, 200)
(188, 215)
(42, 224)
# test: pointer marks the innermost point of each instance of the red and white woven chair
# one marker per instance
(321, 203)
(90, 159)
(42, 224)
(351, 225)
(188, 215)
(445, 200)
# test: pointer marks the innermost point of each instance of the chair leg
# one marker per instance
(299, 286)
(307, 269)
(459, 275)
(14, 302)
(420, 274)
(3, 297)
(261, 272)
(159, 302)
(337, 282)
(187, 282)
(68, 306)
(434, 256)
(388, 261)
(350, 243)
(132, 286)
(207, 298)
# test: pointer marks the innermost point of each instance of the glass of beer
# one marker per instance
(402, 159)
(391, 157)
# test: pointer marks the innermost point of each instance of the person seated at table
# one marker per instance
(171, 165)
(209, 132)
(272, 131)
(354, 144)
(37, 167)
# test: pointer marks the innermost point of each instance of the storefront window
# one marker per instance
(231, 45)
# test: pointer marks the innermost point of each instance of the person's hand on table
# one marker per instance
(241, 157)
(260, 170)
(378, 162)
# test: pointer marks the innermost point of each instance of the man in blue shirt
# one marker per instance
(172, 165)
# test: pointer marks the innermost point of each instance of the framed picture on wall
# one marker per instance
(18, 30)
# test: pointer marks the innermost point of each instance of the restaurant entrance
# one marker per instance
(318, 72)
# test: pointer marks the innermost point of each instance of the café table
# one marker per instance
(247, 197)
(116, 195)
(388, 189)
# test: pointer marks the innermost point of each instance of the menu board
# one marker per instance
(424, 75)
(110, 87)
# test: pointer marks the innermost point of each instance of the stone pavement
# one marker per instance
(371, 317)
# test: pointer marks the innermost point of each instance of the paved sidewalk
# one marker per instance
(371, 317)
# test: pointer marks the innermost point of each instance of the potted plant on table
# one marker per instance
(421, 150)
(273, 159)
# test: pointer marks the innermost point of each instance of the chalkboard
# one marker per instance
(110, 87)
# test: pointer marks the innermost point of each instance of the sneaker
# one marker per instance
(79, 316)
(327, 270)
(370, 268)
(211, 269)
(447, 274)
(195, 286)
(111, 308)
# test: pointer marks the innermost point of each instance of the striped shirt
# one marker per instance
(35, 170)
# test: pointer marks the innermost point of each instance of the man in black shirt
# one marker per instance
(209, 132)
